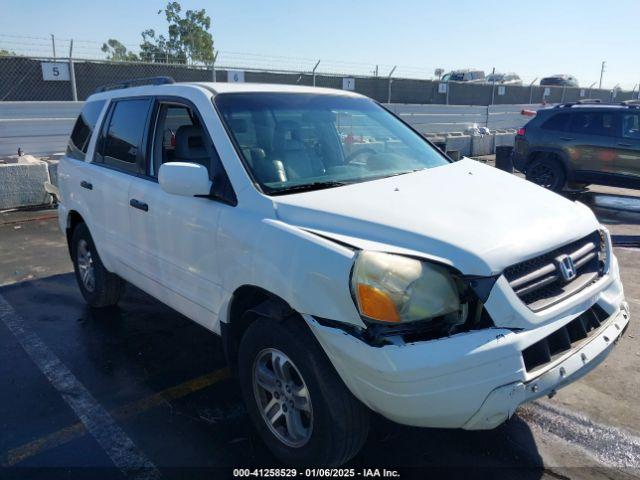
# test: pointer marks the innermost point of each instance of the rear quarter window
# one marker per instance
(557, 122)
(83, 128)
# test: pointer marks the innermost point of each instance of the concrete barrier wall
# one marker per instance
(43, 128)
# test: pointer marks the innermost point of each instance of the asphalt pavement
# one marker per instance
(96, 394)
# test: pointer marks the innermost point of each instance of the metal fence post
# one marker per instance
(531, 90)
(72, 74)
(564, 89)
(314, 73)
(213, 66)
(389, 80)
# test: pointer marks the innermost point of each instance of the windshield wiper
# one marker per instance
(308, 187)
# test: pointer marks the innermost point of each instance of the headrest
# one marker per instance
(238, 125)
(286, 136)
(190, 143)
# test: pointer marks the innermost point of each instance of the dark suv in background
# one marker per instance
(581, 143)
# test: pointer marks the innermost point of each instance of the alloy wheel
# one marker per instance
(283, 397)
(85, 266)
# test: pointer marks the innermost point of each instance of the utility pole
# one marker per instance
(601, 73)
(53, 45)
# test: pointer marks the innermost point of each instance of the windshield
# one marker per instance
(293, 142)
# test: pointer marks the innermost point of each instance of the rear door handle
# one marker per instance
(625, 144)
(567, 139)
(87, 185)
(139, 205)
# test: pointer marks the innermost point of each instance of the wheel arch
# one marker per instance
(248, 303)
(74, 218)
(561, 156)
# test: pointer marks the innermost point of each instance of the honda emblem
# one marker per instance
(567, 267)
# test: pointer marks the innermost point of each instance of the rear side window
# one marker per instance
(594, 123)
(631, 126)
(122, 140)
(82, 130)
(557, 122)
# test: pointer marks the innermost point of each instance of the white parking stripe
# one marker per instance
(113, 440)
(612, 447)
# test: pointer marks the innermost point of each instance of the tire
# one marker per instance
(548, 172)
(336, 422)
(106, 288)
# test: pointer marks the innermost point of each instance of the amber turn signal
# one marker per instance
(376, 304)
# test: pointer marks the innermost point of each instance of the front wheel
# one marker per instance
(547, 172)
(99, 287)
(298, 403)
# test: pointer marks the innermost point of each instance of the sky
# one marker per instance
(531, 38)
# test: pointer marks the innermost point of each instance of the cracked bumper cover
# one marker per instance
(472, 380)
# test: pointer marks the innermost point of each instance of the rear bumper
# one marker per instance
(472, 380)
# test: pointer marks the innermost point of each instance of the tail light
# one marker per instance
(520, 131)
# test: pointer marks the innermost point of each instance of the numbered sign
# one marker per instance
(547, 92)
(55, 71)
(442, 88)
(349, 84)
(502, 89)
(235, 76)
(583, 93)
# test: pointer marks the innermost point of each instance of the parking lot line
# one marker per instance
(67, 434)
(124, 454)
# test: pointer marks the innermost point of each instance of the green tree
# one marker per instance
(115, 50)
(188, 39)
(6, 53)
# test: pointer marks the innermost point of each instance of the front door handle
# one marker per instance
(566, 139)
(139, 205)
(625, 145)
(87, 185)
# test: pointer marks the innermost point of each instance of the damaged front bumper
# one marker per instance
(472, 380)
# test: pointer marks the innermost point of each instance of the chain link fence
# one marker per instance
(31, 71)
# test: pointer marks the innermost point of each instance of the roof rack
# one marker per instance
(135, 82)
(597, 101)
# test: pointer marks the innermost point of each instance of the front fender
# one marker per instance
(309, 272)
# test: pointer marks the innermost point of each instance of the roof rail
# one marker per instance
(596, 101)
(135, 82)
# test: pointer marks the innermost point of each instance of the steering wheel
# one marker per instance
(351, 157)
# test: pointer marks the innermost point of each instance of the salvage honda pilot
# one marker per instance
(347, 264)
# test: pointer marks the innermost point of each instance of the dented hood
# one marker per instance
(473, 217)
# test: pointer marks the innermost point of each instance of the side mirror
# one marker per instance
(184, 178)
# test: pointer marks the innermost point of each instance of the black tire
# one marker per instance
(107, 287)
(340, 422)
(548, 172)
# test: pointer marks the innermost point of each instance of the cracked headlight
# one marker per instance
(393, 288)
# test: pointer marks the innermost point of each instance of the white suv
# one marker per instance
(347, 264)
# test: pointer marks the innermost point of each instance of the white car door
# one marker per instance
(116, 160)
(175, 236)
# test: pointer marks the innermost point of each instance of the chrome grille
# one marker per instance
(540, 282)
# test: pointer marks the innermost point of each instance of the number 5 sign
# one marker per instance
(55, 71)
